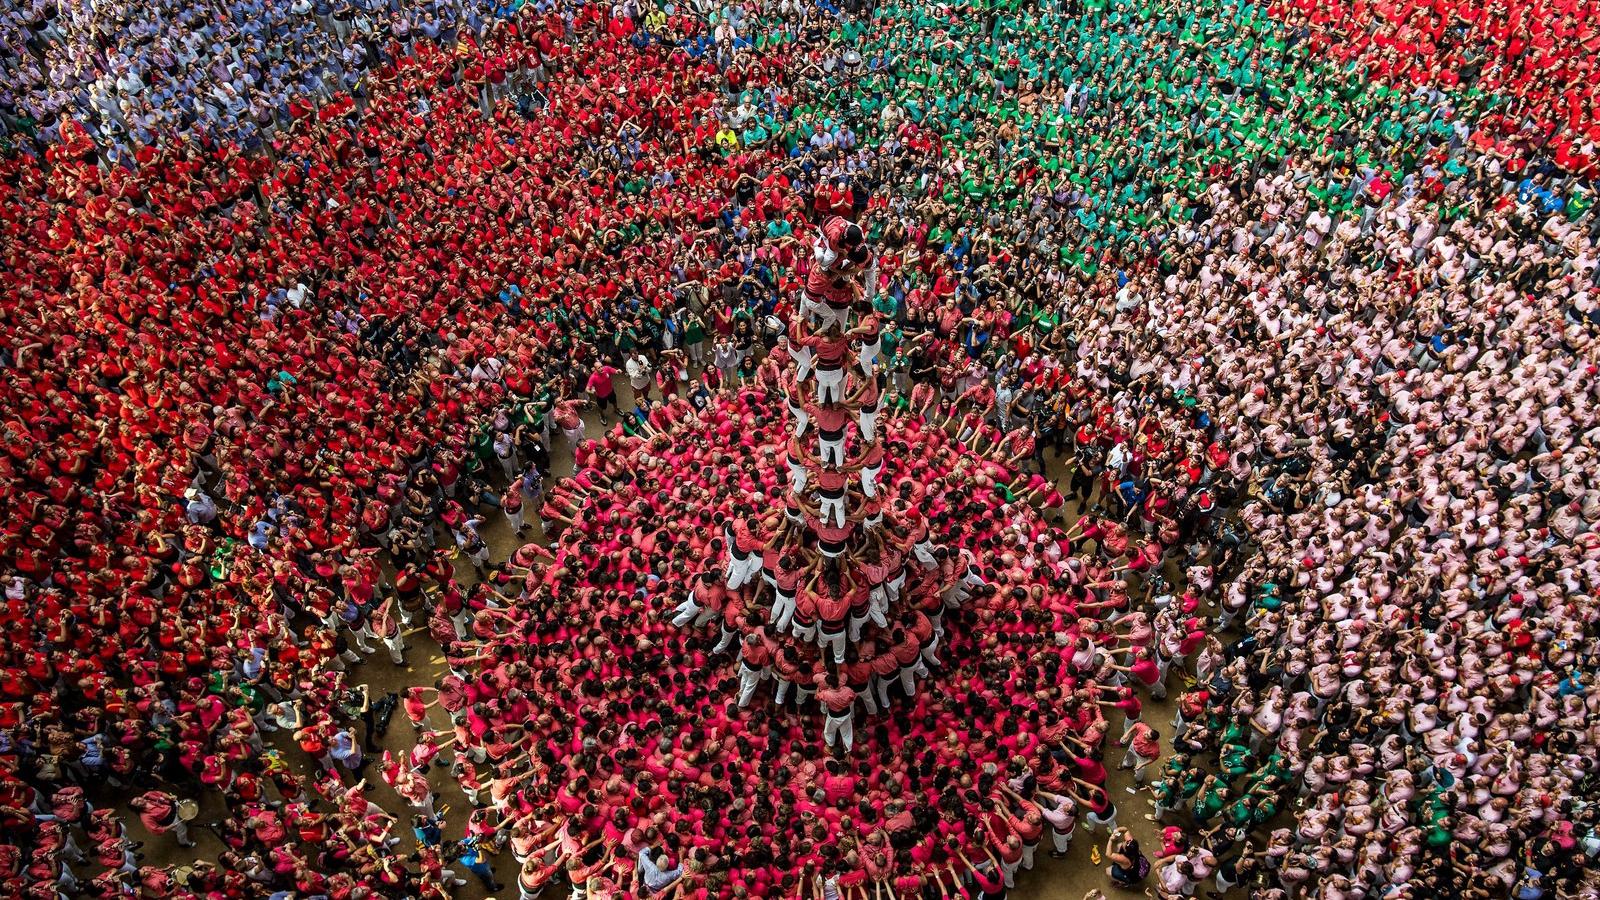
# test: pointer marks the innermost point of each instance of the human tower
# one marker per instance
(847, 585)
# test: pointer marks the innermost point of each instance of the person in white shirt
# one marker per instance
(640, 373)
(200, 508)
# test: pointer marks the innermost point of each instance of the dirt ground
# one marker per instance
(1051, 879)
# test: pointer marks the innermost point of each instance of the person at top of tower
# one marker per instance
(839, 255)
(840, 245)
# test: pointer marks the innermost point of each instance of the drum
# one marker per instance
(188, 810)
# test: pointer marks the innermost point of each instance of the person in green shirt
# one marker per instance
(1213, 796)
(1241, 812)
(694, 338)
(1166, 794)
(1579, 202)
(1235, 758)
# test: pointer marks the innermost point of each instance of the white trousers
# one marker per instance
(827, 316)
(855, 626)
(749, 680)
(801, 694)
(782, 610)
(832, 509)
(869, 480)
(869, 425)
(869, 698)
(867, 356)
(880, 686)
(691, 611)
(740, 571)
(831, 451)
(835, 640)
(1093, 822)
(802, 419)
(803, 358)
(397, 648)
(797, 477)
(878, 605)
(840, 728)
(1008, 871)
(908, 680)
(830, 385)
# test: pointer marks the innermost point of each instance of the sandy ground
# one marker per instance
(1051, 879)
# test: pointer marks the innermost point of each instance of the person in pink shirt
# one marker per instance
(601, 387)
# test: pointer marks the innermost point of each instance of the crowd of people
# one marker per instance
(652, 738)
(1301, 298)
(134, 74)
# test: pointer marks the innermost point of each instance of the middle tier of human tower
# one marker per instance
(845, 577)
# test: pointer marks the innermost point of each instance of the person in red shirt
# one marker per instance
(838, 705)
(158, 813)
(755, 661)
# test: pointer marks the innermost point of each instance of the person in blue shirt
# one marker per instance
(510, 295)
(1532, 190)
(974, 339)
(473, 857)
(654, 869)
(279, 381)
(427, 830)
(1132, 493)
(1572, 683)
(261, 535)
(93, 752)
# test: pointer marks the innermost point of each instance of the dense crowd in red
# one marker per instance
(1532, 61)
(297, 336)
